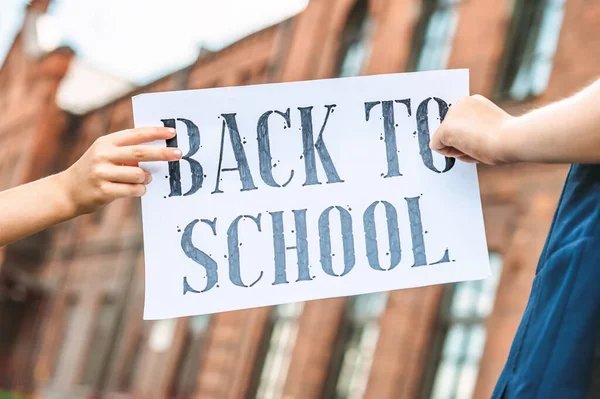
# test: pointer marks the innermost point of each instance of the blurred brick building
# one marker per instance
(71, 298)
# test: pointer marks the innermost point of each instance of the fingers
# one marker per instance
(140, 135)
(450, 152)
(441, 138)
(142, 153)
(109, 168)
(467, 159)
(483, 100)
(446, 135)
(454, 153)
(124, 174)
(436, 142)
(120, 190)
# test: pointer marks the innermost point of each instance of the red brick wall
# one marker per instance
(30, 129)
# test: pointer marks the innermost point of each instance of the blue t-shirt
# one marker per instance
(553, 350)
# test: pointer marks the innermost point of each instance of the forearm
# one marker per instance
(30, 208)
(108, 170)
(567, 131)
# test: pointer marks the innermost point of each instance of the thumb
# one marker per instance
(438, 141)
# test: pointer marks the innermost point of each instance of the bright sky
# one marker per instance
(140, 40)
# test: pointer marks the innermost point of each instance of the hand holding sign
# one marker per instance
(109, 168)
(472, 132)
(107, 171)
(306, 190)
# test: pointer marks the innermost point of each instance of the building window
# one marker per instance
(463, 334)
(133, 361)
(355, 42)
(283, 330)
(532, 41)
(100, 341)
(66, 329)
(434, 34)
(359, 336)
(162, 335)
(186, 375)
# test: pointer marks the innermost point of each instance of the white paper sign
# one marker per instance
(299, 191)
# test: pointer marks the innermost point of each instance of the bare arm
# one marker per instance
(567, 131)
(107, 171)
(27, 209)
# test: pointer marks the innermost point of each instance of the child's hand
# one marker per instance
(109, 169)
(474, 130)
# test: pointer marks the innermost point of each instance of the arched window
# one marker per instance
(355, 42)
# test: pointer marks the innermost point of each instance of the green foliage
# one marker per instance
(10, 395)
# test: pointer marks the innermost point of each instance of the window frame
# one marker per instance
(184, 383)
(523, 33)
(92, 344)
(131, 365)
(350, 323)
(68, 315)
(265, 345)
(358, 27)
(444, 323)
(419, 36)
